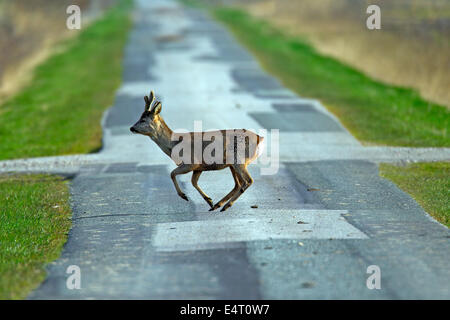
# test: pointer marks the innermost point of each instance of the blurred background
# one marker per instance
(29, 30)
(412, 48)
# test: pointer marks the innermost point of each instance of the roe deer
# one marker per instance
(152, 124)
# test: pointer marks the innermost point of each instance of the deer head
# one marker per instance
(150, 122)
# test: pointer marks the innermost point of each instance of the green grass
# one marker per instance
(34, 222)
(427, 183)
(60, 111)
(374, 112)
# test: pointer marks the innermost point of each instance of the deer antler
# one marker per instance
(149, 101)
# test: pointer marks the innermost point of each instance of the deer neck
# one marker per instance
(162, 138)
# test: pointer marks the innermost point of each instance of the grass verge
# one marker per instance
(60, 111)
(427, 183)
(374, 112)
(34, 222)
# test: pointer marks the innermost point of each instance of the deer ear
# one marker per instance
(157, 108)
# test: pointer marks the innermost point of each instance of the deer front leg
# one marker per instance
(237, 185)
(195, 177)
(181, 169)
(247, 180)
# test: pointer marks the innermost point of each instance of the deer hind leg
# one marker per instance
(195, 177)
(181, 169)
(244, 175)
(237, 185)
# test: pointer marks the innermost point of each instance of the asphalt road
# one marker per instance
(319, 223)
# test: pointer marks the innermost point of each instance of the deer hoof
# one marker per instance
(216, 206)
(225, 207)
(183, 196)
(210, 202)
